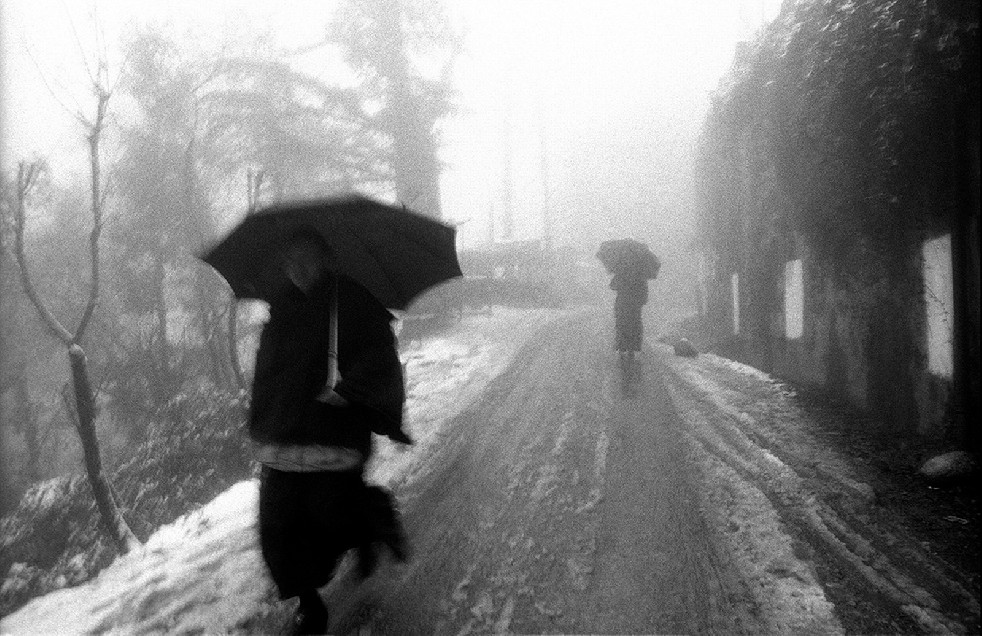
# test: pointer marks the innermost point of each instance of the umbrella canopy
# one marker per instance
(394, 253)
(628, 256)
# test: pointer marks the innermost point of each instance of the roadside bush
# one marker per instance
(53, 539)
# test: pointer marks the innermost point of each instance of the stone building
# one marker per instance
(839, 201)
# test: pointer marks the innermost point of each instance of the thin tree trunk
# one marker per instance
(112, 519)
(109, 514)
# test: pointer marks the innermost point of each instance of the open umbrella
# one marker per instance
(628, 256)
(393, 253)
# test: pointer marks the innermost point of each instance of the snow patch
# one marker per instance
(785, 588)
(739, 367)
(200, 573)
(204, 573)
(750, 441)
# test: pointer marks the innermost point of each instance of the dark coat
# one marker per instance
(291, 370)
(632, 294)
(307, 520)
(631, 289)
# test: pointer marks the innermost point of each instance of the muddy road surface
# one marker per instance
(582, 495)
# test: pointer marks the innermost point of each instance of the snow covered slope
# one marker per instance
(204, 571)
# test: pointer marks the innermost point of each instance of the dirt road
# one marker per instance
(559, 502)
(672, 496)
(573, 495)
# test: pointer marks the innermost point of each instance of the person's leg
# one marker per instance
(329, 519)
(636, 330)
(282, 537)
(279, 509)
(621, 327)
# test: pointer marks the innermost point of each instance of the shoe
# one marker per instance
(311, 617)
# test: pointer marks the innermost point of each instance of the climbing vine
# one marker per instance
(841, 121)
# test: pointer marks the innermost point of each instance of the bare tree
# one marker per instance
(112, 519)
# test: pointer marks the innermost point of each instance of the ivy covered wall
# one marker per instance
(846, 135)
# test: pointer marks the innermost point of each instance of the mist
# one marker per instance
(665, 315)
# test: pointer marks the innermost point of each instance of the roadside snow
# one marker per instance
(732, 467)
(765, 479)
(203, 573)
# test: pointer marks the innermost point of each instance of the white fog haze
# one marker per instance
(612, 93)
(489, 317)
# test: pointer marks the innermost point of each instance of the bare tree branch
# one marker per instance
(94, 139)
(72, 112)
(27, 174)
(112, 520)
(78, 41)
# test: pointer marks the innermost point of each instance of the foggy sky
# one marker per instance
(613, 88)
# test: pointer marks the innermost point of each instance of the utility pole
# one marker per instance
(507, 220)
(491, 224)
(544, 171)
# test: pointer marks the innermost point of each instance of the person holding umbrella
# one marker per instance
(632, 265)
(328, 375)
(314, 437)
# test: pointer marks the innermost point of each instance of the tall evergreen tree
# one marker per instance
(387, 42)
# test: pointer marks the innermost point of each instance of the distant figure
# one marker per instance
(314, 440)
(632, 265)
(632, 294)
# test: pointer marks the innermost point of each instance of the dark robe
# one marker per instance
(308, 520)
(632, 295)
(291, 369)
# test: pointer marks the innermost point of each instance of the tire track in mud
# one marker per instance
(560, 502)
(854, 518)
(845, 494)
(879, 579)
(659, 570)
(503, 519)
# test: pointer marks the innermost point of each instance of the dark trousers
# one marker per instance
(628, 325)
(307, 521)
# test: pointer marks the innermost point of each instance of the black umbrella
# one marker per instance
(393, 253)
(628, 256)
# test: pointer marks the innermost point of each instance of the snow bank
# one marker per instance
(204, 573)
(762, 473)
(200, 573)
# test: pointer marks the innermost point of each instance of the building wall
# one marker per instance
(821, 145)
(864, 341)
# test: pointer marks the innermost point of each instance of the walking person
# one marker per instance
(314, 437)
(328, 374)
(632, 295)
(631, 265)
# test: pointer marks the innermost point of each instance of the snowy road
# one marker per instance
(793, 514)
(553, 491)
(680, 496)
(554, 504)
